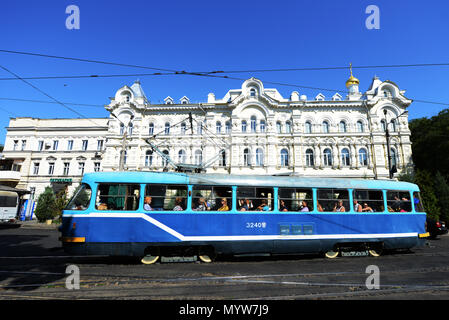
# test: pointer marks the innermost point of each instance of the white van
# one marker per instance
(9, 201)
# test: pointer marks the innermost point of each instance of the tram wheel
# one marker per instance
(375, 252)
(148, 259)
(331, 254)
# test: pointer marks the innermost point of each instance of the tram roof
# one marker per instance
(244, 180)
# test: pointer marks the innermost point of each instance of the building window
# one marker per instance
(130, 129)
(327, 157)
(393, 125)
(183, 128)
(85, 143)
(55, 145)
(24, 144)
(148, 158)
(247, 157)
(325, 127)
(36, 168)
(278, 127)
(309, 158)
(394, 157)
(288, 127)
(308, 127)
(253, 124)
(228, 127)
(259, 157)
(69, 145)
(125, 156)
(51, 168)
(383, 125)
(363, 157)
(122, 128)
(342, 126)
(16, 145)
(360, 126)
(345, 157)
(66, 169)
(218, 127)
(222, 159)
(198, 157)
(151, 128)
(252, 92)
(284, 158)
(97, 166)
(199, 128)
(243, 126)
(99, 145)
(40, 145)
(167, 128)
(262, 126)
(182, 157)
(81, 168)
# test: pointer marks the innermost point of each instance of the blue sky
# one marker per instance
(217, 35)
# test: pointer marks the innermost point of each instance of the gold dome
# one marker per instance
(352, 80)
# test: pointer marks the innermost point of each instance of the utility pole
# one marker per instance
(387, 135)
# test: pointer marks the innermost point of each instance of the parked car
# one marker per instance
(435, 228)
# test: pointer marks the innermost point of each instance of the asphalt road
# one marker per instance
(33, 266)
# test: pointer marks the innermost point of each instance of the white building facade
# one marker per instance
(251, 130)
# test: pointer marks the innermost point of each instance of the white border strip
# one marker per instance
(244, 238)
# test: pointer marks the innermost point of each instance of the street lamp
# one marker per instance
(391, 170)
(125, 133)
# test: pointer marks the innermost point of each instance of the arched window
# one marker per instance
(252, 92)
(148, 158)
(342, 126)
(309, 158)
(125, 156)
(167, 128)
(122, 128)
(228, 126)
(243, 126)
(288, 127)
(325, 127)
(383, 125)
(327, 157)
(259, 157)
(182, 156)
(278, 127)
(183, 128)
(164, 160)
(284, 158)
(199, 128)
(218, 127)
(262, 125)
(151, 128)
(247, 157)
(363, 157)
(394, 157)
(393, 125)
(198, 157)
(130, 129)
(360, 126)
(222, 159)
(308, 127)
(345, 157)
(253, 124)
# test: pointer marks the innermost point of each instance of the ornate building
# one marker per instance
(251, 130)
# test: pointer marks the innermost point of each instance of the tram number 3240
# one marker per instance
(252, 225)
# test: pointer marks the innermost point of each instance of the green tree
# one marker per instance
(425, 181)
(442, 194)
(61, 201)
(46, 205)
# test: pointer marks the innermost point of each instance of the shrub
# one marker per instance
(46, 205)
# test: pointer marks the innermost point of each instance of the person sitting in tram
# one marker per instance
(178, 204)
(202, 205)
(320, 208)
(224, 205)
(263, 206)
(339, 207)
(246, 205)
(367, 208)
(357, 206)
(147, 204)
(282, 206)
(303, 207)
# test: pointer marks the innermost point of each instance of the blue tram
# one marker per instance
(153, 214)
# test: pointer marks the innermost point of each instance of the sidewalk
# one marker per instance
(30, 224)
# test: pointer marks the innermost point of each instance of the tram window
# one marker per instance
(209, 198)
(117, 197)
(369, 200)
(294, 199)
(399, 201)
(167, 197)
(254, 199)
(336, 200)
(417, 201)
(81, 199)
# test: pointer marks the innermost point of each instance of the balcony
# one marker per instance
(9, 172)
